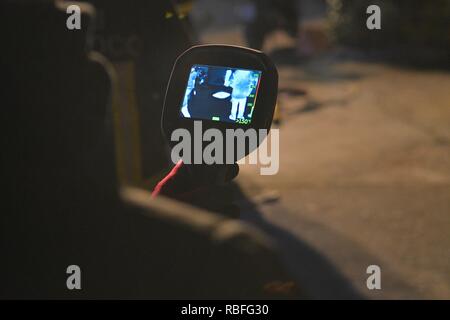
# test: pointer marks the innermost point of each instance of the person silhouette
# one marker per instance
(241, 82)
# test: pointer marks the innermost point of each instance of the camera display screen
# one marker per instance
(220, 94)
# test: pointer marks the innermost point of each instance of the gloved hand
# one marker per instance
(205, 186)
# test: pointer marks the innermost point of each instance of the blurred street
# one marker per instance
(364, 177)
(98, 203)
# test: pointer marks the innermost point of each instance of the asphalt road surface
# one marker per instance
(364, 176)
(364, 180)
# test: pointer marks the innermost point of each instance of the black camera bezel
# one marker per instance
(226, 56)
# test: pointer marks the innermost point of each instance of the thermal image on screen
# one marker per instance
(220, 94)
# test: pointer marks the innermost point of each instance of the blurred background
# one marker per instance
(364, 119)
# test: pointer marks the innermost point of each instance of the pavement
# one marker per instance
(364, 180)
(364, 176)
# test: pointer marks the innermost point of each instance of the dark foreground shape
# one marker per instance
(61, 204)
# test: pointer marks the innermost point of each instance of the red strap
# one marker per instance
(169, 176)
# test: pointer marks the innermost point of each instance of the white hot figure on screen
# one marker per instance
(241, 81)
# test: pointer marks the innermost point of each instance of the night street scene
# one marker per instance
(348, 196)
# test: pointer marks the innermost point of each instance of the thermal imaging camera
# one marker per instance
(223, 87)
